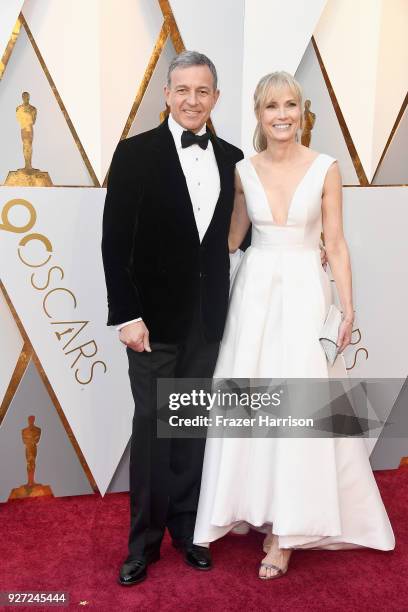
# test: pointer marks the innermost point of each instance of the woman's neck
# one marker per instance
(281, 152)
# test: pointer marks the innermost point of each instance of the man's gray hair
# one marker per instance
(185, 59)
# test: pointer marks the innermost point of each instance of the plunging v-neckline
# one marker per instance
(293, 194)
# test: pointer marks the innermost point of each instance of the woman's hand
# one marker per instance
(239, 219)
(337, 251)
(345, 331)
(323, 257)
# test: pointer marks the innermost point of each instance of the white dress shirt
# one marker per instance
(203, 181)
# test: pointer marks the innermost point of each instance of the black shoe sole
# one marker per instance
(129, 584)
(155, 557)
(197, 567)
(180, 547)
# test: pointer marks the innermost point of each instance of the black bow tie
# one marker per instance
(189, 138)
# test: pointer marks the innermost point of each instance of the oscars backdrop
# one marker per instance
(75, 79)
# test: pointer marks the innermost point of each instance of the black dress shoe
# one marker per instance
(134, 569)
(198, 557)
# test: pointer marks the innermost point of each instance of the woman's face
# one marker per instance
(281, 115)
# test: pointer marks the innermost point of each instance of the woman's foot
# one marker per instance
(267, 543)
(276, 562)
(241, 529)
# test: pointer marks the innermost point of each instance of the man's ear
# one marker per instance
(166, 93)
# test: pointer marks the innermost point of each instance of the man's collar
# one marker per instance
(176, 130)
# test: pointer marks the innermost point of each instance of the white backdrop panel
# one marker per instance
(394, 167)
(215, 28)
(375, 222)
(71, 289)
(275, 38)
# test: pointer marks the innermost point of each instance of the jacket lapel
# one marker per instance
(172, 176)
(222, 163)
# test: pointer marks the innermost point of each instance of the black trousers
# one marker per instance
(165, 474)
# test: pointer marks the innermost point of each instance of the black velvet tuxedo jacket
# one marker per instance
(155, 266)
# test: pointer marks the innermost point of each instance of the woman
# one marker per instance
(305, 493)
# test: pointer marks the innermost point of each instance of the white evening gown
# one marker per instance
(316, 493)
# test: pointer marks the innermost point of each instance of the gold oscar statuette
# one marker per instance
(309, 120)
(31, 437)
(404, 462)
(27, 176)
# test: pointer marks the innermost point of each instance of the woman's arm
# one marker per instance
(239, 220)
(337, 250)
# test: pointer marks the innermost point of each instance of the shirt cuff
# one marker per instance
(119, 327)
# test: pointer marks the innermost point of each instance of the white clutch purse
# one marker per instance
(329, 334)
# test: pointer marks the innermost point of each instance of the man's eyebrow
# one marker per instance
(188, 87)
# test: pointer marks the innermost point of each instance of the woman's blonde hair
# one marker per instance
(274, 80)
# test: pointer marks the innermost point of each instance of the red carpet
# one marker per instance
(76, 544)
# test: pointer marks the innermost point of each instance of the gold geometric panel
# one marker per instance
(171, 25)
(393, 166)
(40, 135)
(364, 48)
(37, 456)
(28, 354)
(168, 33)
(96, 71)
(167, 45)
(152, 103)
(10, 46)
(327, 134)
(11, 347)
(54, 276)
(341, 120)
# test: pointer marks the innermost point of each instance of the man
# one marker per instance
(165, 251)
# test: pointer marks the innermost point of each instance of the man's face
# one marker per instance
(191, 96)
